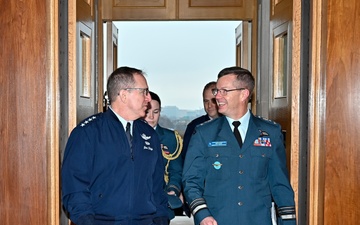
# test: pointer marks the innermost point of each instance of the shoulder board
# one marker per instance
(267, 120)
(205, 122)
(87, 121)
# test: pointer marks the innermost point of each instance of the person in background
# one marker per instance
(211, 110)
(236, 165)
(112, 172)
(171, 143)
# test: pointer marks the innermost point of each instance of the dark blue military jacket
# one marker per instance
(236, 186)
(106, 181)
(190, 129)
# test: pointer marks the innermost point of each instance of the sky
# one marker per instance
(179, 58)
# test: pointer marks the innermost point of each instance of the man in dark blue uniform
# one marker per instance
(112, 172)
(171, 143)
(236, 165)
(211, 110)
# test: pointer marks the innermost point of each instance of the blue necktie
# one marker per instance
(128, 133)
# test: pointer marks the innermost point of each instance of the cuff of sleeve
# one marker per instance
(288, 222)
(287, 215)
(85, 220)
(201, 214)
(173, 188)
(161, 220)
(199, 209)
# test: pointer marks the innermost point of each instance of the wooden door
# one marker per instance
(111, 48)
(85, 61)
(334, 150)
(243, 36)
(280, 68)
(29, 90)
(244, 45)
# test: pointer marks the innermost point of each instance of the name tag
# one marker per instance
(217, 143)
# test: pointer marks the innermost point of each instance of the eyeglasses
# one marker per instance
(144, 91)
(223, 91)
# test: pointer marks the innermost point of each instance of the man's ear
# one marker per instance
(123, 95)
(245, 95)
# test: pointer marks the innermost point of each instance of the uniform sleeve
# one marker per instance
(75, 175)
(194, 176)
(159, 184)
(175, 166)
(187, 135)
(281, 189)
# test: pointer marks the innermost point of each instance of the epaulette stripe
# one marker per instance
(200, 207)
(286, 209)
(287, 212)
(288, 217)
(197, 205)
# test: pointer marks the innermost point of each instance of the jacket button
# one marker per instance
(241, 172)
(240, 203)
(241, 156)
(240, 187)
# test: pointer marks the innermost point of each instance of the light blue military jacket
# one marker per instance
(237, 186)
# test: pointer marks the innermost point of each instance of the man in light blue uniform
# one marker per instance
(229, 180)
(171, 143)
(112, 172)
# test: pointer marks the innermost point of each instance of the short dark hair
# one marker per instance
(122, 77)
(244, 76)
(155, 97)
(211, 84)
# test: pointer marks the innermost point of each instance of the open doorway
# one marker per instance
(179, 58)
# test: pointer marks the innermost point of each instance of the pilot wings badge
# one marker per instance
(145, 137)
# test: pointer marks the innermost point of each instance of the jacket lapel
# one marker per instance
(225, 133)
(252, 133)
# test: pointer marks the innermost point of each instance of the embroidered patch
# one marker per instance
(217, 165)
(148, 148)
(145, 137)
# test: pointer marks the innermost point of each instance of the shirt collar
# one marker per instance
(244, 120)
(122, 120)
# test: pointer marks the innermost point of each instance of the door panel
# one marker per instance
(111, 48)
(138, 10)
(280, 69)
(180, 9)
(215, 9)
(243, 44)
(341, 151)
(85, 62)
(243, 40)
